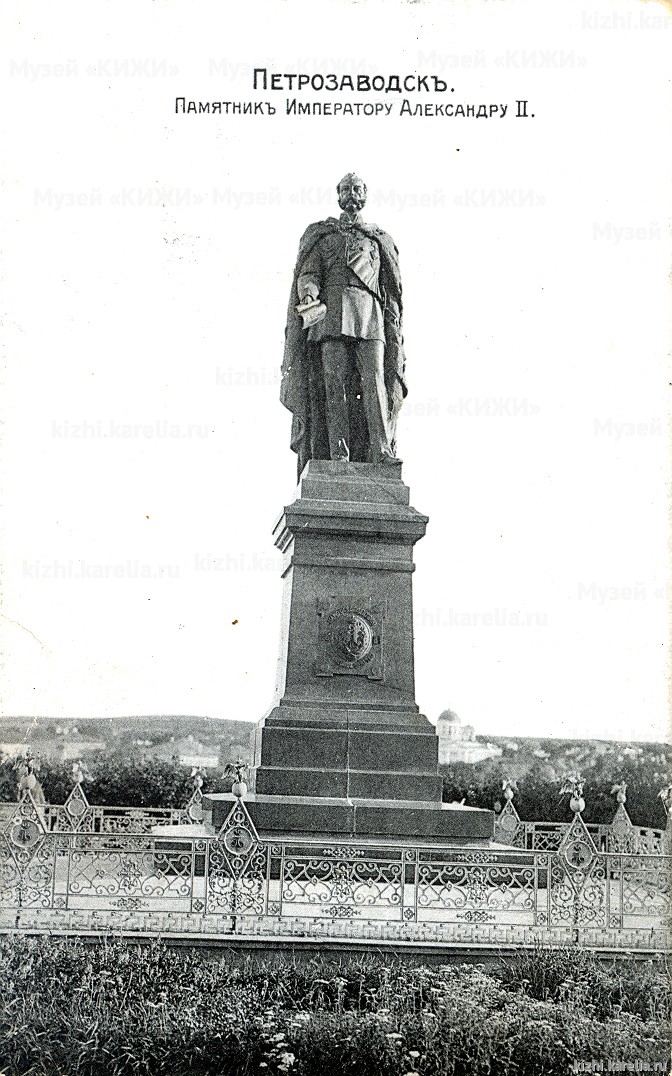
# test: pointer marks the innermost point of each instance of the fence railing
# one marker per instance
(234, 883)
(77, 815)
(620, 835)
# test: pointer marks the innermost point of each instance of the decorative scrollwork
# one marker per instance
(150, 873)
(646, 886)
(343, 911)
(194, 808)
(10, 877)
(479, 916)
(355, 882)
(578, 881)
(237, 866)
(546, 838)
(508, 828)
(622, 835)
(93, 859)
(455, 885)
(76, 813)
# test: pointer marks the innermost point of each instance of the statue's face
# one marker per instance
(352, 194)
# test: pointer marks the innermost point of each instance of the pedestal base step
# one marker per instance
(287, 817)
(328, 754)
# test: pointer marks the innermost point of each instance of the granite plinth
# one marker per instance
(338, 728)
(290, 817)
(348, 537)
(344, 750)
(377, 761)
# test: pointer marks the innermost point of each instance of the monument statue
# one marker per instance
(343, 368)
(343, 752)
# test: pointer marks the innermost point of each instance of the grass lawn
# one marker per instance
(121, 1008)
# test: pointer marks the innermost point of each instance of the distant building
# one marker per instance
(78, 748)
(188, 752)
(458, 743)
(60, 749)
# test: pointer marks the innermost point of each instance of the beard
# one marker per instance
(351, 203)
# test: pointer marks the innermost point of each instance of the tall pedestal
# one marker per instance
(344, 748)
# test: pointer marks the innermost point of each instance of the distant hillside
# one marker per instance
(167, 735)
(161, 734)
(540, 765)
(561, 757)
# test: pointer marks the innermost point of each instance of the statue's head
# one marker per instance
(351, 193)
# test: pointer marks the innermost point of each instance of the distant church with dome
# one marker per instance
(458, 743)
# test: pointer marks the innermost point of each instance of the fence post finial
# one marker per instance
(238, 771)
(573, 787)
(619, 791)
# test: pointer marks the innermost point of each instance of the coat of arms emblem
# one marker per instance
(350, 637)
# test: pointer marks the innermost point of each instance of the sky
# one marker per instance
(147, 263)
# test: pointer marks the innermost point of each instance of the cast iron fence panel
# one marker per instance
(620, 835)
(77, 815)
(235, 882)
(345, 882)
(129, 872)
(237, 870)
(478, 887)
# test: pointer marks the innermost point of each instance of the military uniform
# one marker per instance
(343, 270)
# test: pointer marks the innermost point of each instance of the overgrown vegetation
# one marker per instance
(538, 782)
(118, 1008)
(117, 781)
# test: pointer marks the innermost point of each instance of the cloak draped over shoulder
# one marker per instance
(302, 384)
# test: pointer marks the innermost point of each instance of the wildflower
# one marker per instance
(414, 1053)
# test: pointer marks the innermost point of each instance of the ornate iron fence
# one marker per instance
(234, 883)
(77, 815)
(620, 835)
